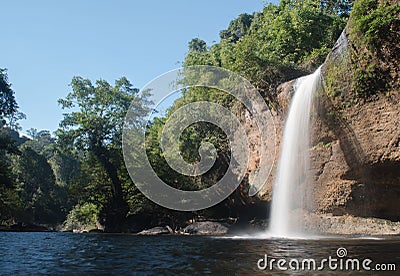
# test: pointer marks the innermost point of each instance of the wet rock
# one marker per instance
(349, 225)
(96, 231)
(206, 228)
(154, 231)
(79, 231)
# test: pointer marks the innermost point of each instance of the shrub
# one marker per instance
(82, 216)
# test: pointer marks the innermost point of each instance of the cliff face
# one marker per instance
(356, 153)
(356, 158)
(355, 150)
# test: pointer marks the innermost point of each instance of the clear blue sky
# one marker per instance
(45, 43)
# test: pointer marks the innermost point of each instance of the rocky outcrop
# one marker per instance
(350, 225)
(356, 160)
(155, 231)
(206, 228)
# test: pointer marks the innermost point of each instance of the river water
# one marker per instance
(124, 254)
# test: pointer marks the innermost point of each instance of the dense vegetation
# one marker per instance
(369, 66)
(280, 43)
(78, 176)
(377, 23)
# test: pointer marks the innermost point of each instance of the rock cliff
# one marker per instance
(355, 150)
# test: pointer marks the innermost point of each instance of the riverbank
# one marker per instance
(28, 227)
(350, 225)
(313, 223)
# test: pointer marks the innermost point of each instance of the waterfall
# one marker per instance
(290, 188)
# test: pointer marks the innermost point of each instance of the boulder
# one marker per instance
(206, 228)
(96, 231)
(155, 231)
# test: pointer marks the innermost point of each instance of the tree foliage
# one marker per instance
(280, 43)
(94, 127)
(9, 139)
(197, 45)
(237, 28)
(374, 29)
(43, 200)
(8, 105)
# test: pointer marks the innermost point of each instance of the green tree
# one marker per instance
(94, 127)
(37, 188)
(9, 200)
(237, 28)
(42, 142)
(339, 7)
(197, 45)
(8, 105)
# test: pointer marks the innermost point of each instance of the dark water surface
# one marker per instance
(99, 254)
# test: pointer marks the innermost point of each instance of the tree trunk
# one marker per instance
(117, 209)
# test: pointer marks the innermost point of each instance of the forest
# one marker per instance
(75, 178)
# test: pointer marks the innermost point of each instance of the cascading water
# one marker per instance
(292, 179)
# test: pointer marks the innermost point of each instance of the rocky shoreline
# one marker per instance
(351, 225)
(325, 224)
